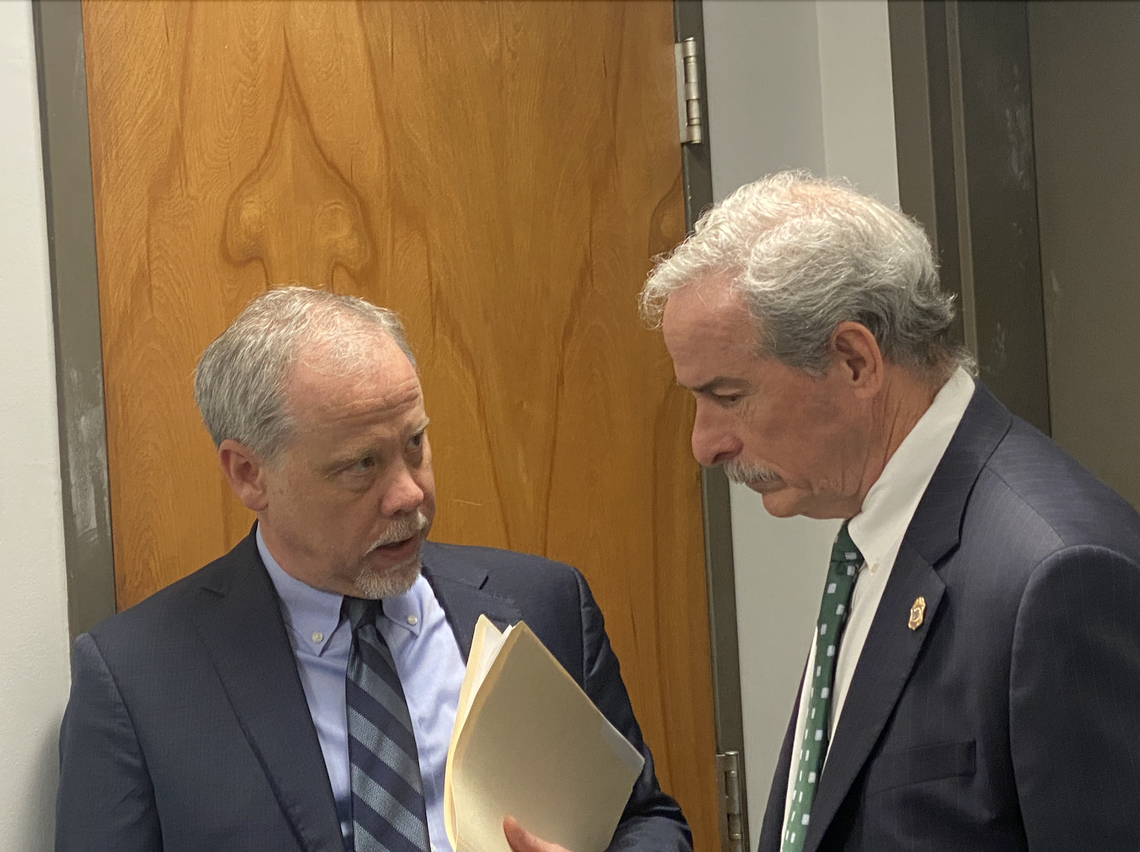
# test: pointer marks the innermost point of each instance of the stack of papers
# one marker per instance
(529, 743)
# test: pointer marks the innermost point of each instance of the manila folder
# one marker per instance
(533, 745)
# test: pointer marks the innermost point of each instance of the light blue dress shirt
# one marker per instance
(428, 662)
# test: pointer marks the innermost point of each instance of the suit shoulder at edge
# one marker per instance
(172, 600)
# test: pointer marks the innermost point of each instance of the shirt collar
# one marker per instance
(891, 502)
(310, 613)
(407, 610)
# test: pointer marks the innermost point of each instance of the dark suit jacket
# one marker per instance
(1010, 719)
(188, 731)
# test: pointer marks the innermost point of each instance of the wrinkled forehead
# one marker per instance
(709, 306)
(709, 332)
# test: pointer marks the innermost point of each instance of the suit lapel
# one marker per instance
(245, 637)
(892, 648)
(772, 827)
(458, 587)
(884, 667)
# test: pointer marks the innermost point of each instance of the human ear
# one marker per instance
(245, 473)
(856, 354)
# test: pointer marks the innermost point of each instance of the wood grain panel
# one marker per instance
(499, 173)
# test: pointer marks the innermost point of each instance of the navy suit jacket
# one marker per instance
(188, 731)
(1010, 719)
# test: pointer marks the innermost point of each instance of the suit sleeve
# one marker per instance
(105, 801)
(652, 821)
(1075, 703)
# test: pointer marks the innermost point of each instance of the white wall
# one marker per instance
(792, 84)
(33, 607)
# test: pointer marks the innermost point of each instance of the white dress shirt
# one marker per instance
(878, 532)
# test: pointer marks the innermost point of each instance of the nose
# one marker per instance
(714, 439)
(404, 495)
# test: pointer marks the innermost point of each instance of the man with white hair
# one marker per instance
(299, 693)
(973, 682)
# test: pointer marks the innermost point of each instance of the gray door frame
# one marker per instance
(719, 566)
(58, 28)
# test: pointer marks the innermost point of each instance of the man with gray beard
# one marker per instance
(299, 693)
(973, 683)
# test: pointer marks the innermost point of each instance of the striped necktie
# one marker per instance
(845, 561)
(388, 811)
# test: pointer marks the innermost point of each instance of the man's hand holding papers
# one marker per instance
(522, 840)
(529, 744)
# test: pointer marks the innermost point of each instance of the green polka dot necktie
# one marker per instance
(845, 562)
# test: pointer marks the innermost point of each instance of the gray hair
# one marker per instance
(239, 384)
(808, 254)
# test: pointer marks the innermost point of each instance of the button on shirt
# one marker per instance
(878, 532)
(428, 662)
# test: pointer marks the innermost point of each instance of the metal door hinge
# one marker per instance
(729, 789)
(690, 113)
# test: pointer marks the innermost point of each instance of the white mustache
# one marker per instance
(742, 473)
(401, 529)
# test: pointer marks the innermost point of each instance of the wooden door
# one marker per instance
(499, 173)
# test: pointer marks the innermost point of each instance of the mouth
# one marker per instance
(397, 549)
(401, 541)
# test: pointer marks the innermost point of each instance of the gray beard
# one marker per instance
(401, 576)
(393, 582)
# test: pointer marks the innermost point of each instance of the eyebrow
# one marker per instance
(348, 459)
(340, 463)
(718, 383)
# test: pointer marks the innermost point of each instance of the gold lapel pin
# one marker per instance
(917, 611)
